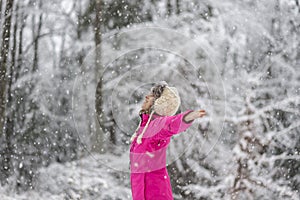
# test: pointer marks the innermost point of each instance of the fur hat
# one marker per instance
(166, 103)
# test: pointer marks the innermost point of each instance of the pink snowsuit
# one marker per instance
(148, 173)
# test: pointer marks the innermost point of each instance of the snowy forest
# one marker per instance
(74, 73)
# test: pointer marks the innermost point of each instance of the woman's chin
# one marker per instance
(144, 107)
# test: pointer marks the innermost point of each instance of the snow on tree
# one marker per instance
(238, 60)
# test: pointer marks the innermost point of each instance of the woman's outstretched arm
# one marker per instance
(178, 123)
(193, 115)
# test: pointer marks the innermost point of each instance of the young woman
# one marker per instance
(158, 123)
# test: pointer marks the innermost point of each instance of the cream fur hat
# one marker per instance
(168, 103)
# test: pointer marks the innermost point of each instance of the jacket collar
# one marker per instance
(145, 117)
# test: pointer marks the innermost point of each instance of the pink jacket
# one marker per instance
(149, 176)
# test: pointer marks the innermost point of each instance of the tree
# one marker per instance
(5, 50)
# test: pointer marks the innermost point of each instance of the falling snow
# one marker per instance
(76, 74)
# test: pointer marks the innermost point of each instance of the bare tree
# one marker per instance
(169, 8)
(9, 121)
(5, 49)
(98, 66)
(3, 59)
(178, 7)
(1, 18)
(36, 33)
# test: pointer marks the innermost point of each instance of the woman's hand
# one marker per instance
(194, 115)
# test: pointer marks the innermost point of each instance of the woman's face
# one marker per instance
(148, 102)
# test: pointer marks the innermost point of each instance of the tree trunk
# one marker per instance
(0, 18)
(98, 80)
(169, 8)
(6, 163)
(0, 10)
(10, 108)
(20, 47)
(14, 49)
(297, 3)
(10, 112)
(98, 32)
(20, 118)
(36, 41)
(3, 60)
(177, 7)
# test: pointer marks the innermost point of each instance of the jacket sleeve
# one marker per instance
(173, 125)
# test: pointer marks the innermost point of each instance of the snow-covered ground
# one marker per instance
(87, 178)
(255, 44)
